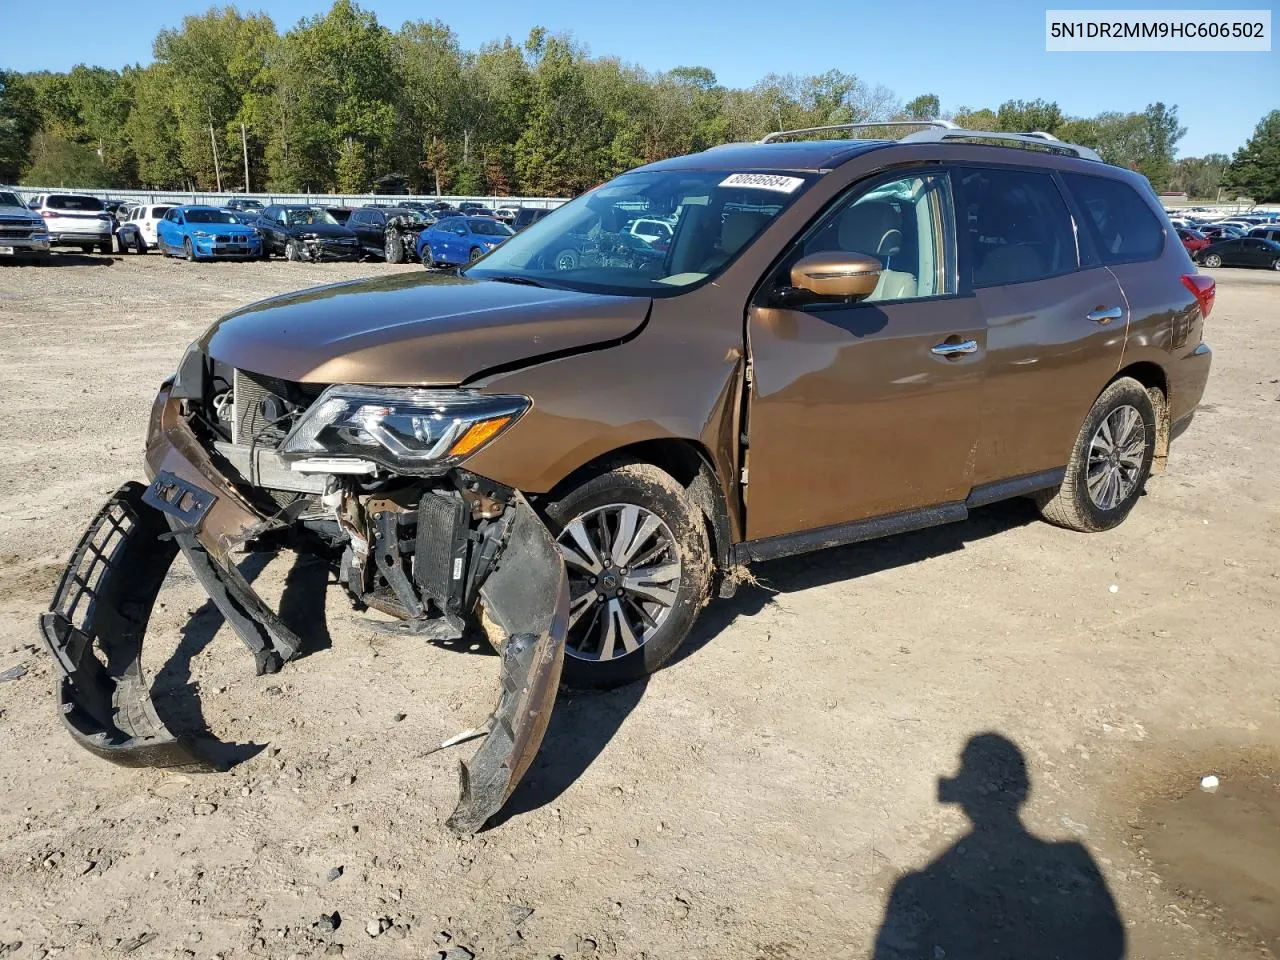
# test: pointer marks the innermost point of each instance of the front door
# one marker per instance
(866, 409)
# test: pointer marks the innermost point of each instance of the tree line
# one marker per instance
(339, 102)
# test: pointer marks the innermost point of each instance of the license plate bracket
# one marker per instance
(179, 499)
(6, 251)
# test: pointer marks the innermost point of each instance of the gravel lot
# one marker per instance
(760, 798)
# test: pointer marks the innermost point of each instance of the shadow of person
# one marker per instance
(999, 891)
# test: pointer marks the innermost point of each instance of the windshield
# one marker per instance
(310, 217)
(209, 216)
(588, 244)
(489, 228)
(10, 200)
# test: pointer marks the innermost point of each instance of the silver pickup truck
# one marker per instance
(22, 233)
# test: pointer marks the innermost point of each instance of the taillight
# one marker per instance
(1203, 288)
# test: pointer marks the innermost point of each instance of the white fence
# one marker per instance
(321, 199)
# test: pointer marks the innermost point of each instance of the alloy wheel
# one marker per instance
(1213, 260)
(624, 572)
(1115, 457)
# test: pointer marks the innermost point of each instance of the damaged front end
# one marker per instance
(439, 548)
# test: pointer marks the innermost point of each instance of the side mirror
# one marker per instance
(833, 273)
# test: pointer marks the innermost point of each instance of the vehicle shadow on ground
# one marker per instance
(850, 562)
(176, 694)
(1000, 891)
(581, 726)
(64, 260)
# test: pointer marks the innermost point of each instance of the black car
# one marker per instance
(1241, 252)
(472, 206)
(300, 231)
(527, 217)
(248, 206)
(389, 232)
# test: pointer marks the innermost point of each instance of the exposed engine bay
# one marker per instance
(367, 479)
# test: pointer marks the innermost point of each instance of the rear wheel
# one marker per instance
(122, 243)
(105, 246)
(476, 254)
(1109, 464)
(139, 245)
(638, 562)
(393, 247)
(86, 248)
(1212, 260)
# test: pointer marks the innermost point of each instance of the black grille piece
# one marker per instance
(440, 553)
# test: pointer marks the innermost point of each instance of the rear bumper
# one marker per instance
(74, 237)
(1188, 376)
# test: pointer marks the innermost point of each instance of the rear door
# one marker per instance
(865, 409)
(1055, 320)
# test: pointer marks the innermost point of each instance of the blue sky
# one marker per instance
(971, 54)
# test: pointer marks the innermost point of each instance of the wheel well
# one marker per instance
(1151, 376)
(689, 464)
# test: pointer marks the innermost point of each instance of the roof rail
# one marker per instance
(1039, 139)
(779, 134)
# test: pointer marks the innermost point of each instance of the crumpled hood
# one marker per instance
(415, 328)
(325, 231)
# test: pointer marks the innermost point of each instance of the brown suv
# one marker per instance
(577, 439)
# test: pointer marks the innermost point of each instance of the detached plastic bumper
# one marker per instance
(98, 619)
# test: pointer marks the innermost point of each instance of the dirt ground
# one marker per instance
(759, 798)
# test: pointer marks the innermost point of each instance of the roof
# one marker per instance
(804, 155)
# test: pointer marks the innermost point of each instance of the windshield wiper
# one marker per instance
(526, 281)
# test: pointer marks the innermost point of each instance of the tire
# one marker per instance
(1275, 264)
(393, 247)
(122, 245)
(88, 249)
(105, 247)
(476, 254)
(1212, 260)
(566, 259)
(292, 252)
(642, 496)
(188, 250)
(1121, 472)
(428, 258)
(139, 245)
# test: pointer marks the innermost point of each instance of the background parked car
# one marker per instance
(388, 232)
(138, 231)
(472, 206)
(1269, 232)
(22, 233)
(1193, 240)
(506, 214)
(206, 233)
(300, 231)
(341, 214)
(1241, 252)
(75, 220)
(246, 205)
(1218, 231)
(527, 217)
(458, 240)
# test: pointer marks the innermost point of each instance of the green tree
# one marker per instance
(1200, 177)
(19, 121)
(1035, 116)
(927, 106)
(557, 150)
(55, 161)
(1255, 168)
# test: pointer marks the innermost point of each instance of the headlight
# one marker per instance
(409, 430)
(202, 234)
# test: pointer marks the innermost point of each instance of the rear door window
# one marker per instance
(1018, 226)
(86, 204)
(1121, 223)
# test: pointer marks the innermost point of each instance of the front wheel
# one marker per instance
(393, 247)
(1275, 265)
(139, 245)
(293, 251)
(188, 250)
(428, 258)
(1109, 464)
(566, 259)
(1212, 260)
(638, 561)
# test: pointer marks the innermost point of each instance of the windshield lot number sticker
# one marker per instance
(763, 181)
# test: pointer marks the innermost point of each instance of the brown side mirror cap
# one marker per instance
(833, 273)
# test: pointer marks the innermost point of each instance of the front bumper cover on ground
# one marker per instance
(98, 620)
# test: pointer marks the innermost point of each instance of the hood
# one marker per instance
(9, 212)
(325, 231)
(415, 328)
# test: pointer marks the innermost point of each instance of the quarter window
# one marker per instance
(906, 224)
(1018, 226)
(1123, 226)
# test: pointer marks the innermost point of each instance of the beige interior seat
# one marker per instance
(874, 228)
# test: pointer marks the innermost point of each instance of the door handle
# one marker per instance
(1105, 315)
(952, 350)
